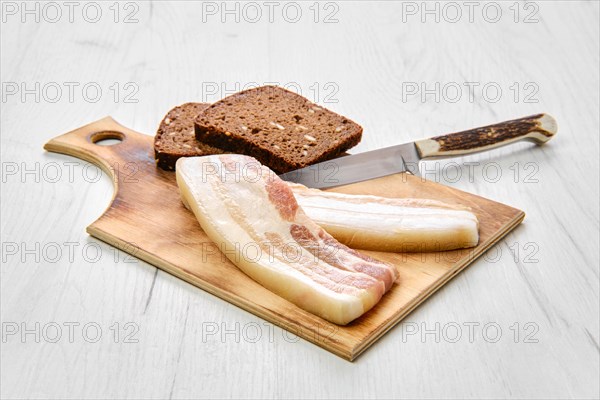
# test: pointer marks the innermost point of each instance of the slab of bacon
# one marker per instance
(389, 224)
(254, 218)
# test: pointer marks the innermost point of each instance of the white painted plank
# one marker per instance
(364, 62)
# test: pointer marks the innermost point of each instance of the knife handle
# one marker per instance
(537, 128)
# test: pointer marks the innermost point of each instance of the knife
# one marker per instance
(537, 128)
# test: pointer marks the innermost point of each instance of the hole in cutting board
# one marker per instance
(107, 138)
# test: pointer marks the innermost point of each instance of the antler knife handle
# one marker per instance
(537, 128)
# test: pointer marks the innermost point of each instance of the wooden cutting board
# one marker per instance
(146, 219)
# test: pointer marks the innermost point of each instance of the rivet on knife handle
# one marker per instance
(537, 128)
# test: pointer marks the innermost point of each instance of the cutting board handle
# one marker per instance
(121, 161)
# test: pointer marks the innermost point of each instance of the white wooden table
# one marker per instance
(81, 320)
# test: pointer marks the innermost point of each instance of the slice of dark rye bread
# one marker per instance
(175, 136)
(281, 129)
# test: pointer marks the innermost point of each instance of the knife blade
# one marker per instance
(537, 128)
(358, 167)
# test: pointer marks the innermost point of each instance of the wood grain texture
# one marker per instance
(368, 57)
(146, 216)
